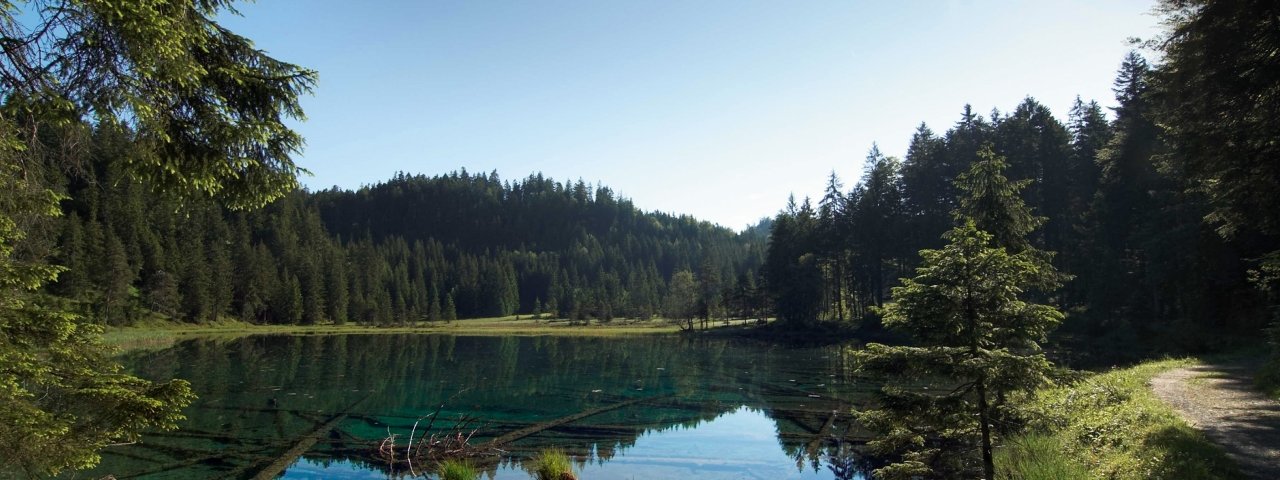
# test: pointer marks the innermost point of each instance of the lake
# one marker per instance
(643, 407)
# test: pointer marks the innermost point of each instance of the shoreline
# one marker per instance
(156, 335)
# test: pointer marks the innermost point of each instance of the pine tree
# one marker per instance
(73, 256)
(433, 307)
(973, 335)
(160, 293)
(1037, 148)
(791, 269)
(335, 286)
(969, 314)
(929, 192)
(1215, 97)
(450, 312)
(116, 278)
(682, 299)
(879, 215)
(553, 308)
(993, 203)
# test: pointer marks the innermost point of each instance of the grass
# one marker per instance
(1268, 378)
(1037, 456)
(1111, 425)
(456, 470)
(153, 334)
(551, 464)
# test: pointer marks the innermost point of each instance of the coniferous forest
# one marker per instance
(412, 249)
(1118, 209)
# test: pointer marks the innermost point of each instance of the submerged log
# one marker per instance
(822, 434)
(269, 469)
(534, 429)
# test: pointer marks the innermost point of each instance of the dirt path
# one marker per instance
(1219, 399)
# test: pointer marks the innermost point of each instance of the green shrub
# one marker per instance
(552, 464)
(456, 470)
(1269, 378)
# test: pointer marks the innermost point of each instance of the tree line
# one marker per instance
(413, 248)
(1124, 218)
(1160, 219)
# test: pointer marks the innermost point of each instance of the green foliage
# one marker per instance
(1216, 99)
(61, 396)
(1037, 457)
(208, 106)
(835, 263)
(682, 298)
(298, 261)
(792, 271)
(206, 110)
(1111, 198)
(456, 470)
(1113, 426)
(975, 340)
(993, 203)
(551, 464)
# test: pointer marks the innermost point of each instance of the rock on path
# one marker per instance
(1220, 400)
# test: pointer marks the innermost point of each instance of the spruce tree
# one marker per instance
(73, 255)
(975, 336)
(174, 75)
(160, 293)
(450, 311)
(117, 279)
(992, 202)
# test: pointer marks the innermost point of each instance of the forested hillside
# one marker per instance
(411, 249)
(1119, 209)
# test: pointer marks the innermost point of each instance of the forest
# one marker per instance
(411, 249)
(1120, 210)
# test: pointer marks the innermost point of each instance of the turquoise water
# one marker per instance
(641, 407)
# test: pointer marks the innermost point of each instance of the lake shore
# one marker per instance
(158, 334)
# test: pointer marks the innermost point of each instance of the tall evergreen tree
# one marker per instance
(175, 75)
(878, 213)
(1215, 96)
(116, 279)
(928, 188)
(973, 335)
(993, 203)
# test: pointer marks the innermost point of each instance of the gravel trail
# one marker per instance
(1220, 400)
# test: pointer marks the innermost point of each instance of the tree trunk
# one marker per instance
(988, 465)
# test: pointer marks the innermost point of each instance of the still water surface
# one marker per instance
(694, 408)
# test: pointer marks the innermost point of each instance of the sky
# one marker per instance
(718, 109)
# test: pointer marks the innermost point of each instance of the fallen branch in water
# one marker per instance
(432, 449)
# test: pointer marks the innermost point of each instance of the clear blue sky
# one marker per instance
(718, 109)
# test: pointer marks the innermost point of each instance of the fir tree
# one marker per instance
(450, 311)
(973, 335)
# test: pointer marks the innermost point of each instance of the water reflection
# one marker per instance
(659, 407)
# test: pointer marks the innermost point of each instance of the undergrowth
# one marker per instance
(457, 470)
(1111, 426)
(552, 464)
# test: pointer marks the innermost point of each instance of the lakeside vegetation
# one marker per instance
(1110, 425)
(155, 333)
